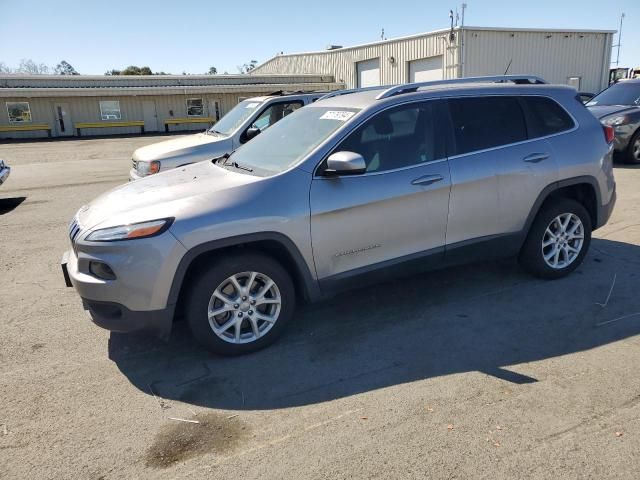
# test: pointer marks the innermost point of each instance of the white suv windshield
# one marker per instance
(235, 118)
(291, 139)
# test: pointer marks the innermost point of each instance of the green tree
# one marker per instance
(212, 71)
(65, 68)
(247, 67)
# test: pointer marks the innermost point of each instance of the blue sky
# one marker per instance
(192, 35)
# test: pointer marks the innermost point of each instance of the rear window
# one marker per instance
(486, 122)
(545, 117)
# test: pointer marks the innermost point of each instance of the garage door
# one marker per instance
(368, 73)
(425, 69)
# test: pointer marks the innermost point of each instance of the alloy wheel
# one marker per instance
(562, 241)
(244, 307)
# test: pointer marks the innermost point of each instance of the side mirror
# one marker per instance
(345, 163)
(251, 133)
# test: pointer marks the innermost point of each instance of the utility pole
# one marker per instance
(619, 39)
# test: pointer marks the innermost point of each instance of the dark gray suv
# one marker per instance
(351, 189)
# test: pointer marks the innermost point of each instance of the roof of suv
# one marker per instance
(367, 98)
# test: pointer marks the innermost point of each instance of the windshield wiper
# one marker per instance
(223, 161)
(241, 167)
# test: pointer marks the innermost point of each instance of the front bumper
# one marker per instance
(118, 318)
(624, 133)
(133, 175)
(4, 174)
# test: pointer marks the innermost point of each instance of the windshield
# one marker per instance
(236, 117)
(619, 94)
(291, 139)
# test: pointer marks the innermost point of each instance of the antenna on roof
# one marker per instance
(508, 66)
(382, 34)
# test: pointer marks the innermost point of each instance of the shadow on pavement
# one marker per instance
(9, 204)
(485, 317)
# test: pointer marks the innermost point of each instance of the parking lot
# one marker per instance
(474, 372)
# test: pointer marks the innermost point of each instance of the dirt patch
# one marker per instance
(179, 441)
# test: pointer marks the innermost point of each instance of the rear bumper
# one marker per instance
(118, 318)
(4, 174)
(605, 211)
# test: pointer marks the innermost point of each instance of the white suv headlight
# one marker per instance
(130, 232)
(147, 168)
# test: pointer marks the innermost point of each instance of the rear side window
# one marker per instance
(486, 122)
(545, 117)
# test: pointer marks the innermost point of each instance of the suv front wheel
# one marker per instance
(558, 239)
(240, 304)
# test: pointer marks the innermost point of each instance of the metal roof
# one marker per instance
(442, 31)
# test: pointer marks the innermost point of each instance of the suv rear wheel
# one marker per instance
(240, 304)
(558, 240)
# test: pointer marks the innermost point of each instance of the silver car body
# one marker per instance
(178, 152)
(5, 170)
(332, 231)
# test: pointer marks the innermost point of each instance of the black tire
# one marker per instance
(206, 283)
(632, 154)
(531, 255)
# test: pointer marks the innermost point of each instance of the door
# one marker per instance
(395, 211)
(64, 122)
(368, 73)
(214, 109)
(497, 171)
(150, 116)
(271, 114)
(426, 69)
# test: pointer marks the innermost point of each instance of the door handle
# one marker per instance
(427, 180)
(536, 157)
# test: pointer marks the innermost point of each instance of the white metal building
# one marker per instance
(576, 57)
(34, 106)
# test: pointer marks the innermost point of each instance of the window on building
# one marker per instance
(486, 122)
(110, 110)
(195, 107)
(574, 82)
(19, 112)
(399, 137)
(545, 117)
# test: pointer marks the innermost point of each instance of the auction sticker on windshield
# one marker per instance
(339, 115)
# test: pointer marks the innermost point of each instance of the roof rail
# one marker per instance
(337, 93)
(412, 87)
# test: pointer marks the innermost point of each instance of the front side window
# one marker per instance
(399, 137)
(275, 113)
(19, 112)
(110, 110)
(545, 117)
(195, 107)
(486, 122)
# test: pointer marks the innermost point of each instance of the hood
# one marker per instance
(200, 145)
(602, 111)
(173, 193)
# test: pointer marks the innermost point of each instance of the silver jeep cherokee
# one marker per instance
(348, 190)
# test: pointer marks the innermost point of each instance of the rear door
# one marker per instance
(395, 211)
(489, 135)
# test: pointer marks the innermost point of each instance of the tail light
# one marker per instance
(609, 133)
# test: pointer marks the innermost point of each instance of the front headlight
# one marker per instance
(148, 168)
(616, 121)
(130, 232)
